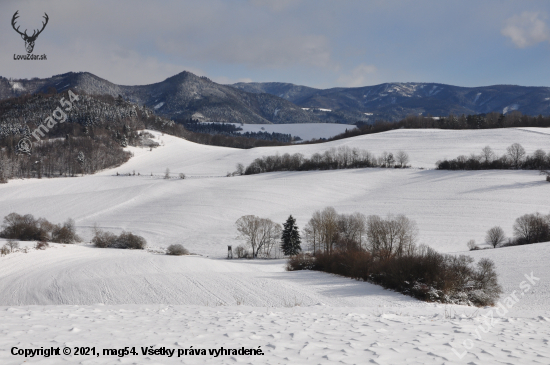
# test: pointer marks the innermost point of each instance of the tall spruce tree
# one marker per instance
(290, 240)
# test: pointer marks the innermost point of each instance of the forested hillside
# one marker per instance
(87, 136)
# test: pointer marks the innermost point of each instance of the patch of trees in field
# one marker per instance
(28, 228)
(125, 240)
(384, 251)
(342, 157)
(515, 158)
(528, 229)
(266, 238)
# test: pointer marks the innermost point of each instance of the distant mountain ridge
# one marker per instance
(394, 101)
(186, 95)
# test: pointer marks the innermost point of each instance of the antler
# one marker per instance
(15, 16)
(34, 34)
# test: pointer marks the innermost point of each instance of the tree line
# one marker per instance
(515, 158)
(230, 129)
(342, 157)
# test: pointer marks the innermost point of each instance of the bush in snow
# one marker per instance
(41, 245)
(4, 250)
(301, 261)
(130, 241)
(472, 245)
(65, 233)
(177, 250)
(103, 239)
(125, 240)
(422, 273)
(27, 228)
(241, 252)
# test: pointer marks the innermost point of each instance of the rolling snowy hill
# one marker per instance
(78, 295)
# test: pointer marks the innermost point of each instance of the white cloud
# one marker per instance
(361, 75)
(526, 29)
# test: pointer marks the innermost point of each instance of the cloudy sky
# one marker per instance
(319, 43)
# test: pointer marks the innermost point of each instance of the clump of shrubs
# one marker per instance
(27, 228)
(177, 250)
(301, 261)
(41, 245)
(424, 273)
(242, 252)
(126, 240)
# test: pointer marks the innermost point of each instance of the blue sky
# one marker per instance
(321, 43)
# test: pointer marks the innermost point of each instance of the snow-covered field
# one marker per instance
(306, 131)
(78, 295)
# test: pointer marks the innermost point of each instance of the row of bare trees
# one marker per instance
(327, 231)
(342, 157)
(515, 158)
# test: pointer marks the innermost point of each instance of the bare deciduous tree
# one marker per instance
(402, 158)
(487, 155)
(351, 230)
(261, 234)
(395, 235)
(472, 245)
(516, 153)
(240, 169)
(495, 236)
(532, 228)
(13, 245)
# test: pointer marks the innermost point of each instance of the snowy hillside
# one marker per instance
(79, 295)
(450, 207)
(425, 147)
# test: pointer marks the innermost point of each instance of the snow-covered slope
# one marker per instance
(449, 207)
(425, 147)
(76, 274)
(150, 299)
(315, 335)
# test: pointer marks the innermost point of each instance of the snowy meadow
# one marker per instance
(80, 296)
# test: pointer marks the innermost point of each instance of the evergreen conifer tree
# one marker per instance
(290, 240)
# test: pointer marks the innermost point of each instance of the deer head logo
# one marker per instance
(29, 40)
